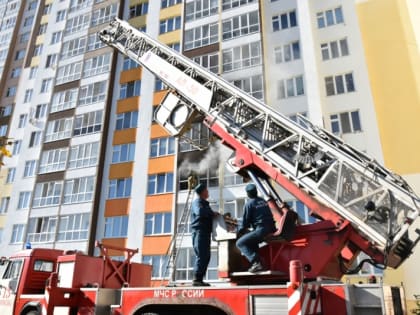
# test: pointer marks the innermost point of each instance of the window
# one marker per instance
(339, 84)
(200, 8)
(11, 91)
(11, 172)
(88, 123)
(230, 4)
(47, 9)
(69, 72)
(162, 147)
(74, 227)
(159, 85)
(170, 24)
(92, 93)
(130, 89)
(24, 37)
(7, 23)
(290, 87)
(83, 155)
(43, 265)
(119, 188)
(175, 46)
(20, 54)
(288, 52)
(76, 24)
(33, 72)
(347, 122)
(78, 190)
(97, 65)
(252, 85)
(28, 21)
(35, 139)
(302, 211)
(63, 100)
(127, 120)
(241, 25)
(32, 5)
(3, 130)
(30, 167)
(28, 95)
(94, 42)
(22, 120)
(185, 264)
(284, 21)
(38, 50)
(6, 110)
(39, 112)
(160, 183)
(79, 4)
(116, 226)
(58, 129)
(15, 72)
(244, 56)
(17, 234)
(334, 49)
(17, 144)
(129, 64)
(24, 199)
(56, 37)
(73, 47)
(201, 36)
(46, 85)
(47, 194)
(4, 205)
(158, 223)
(53, 160)
(52, 61)
(209, 61)
(42, 29)
(41, 229)
(199, 134)
(169, 3)
(330, 17)
(159, 265)
(104, 15)
(123, 152)
(61, 15)
(139, 9)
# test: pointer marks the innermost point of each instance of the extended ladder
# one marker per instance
(303, 158)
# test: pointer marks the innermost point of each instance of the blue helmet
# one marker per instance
(251, 190)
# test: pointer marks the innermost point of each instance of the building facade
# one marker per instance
(90, 163)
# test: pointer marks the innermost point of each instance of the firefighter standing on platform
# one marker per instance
(201, 225)
(257, 215)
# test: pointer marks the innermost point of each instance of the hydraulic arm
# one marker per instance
(368, 207)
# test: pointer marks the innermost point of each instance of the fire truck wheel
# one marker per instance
(32, 313)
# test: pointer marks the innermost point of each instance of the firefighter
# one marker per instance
(201, 225)
(257, 215)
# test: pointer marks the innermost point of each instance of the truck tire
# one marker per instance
(33, 313)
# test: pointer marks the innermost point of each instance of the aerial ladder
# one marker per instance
(360, 205)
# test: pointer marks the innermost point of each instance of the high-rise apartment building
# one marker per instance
(59, 99)
(89, 162)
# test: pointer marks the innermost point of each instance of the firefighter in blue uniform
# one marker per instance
(201, 225)
(257, 215)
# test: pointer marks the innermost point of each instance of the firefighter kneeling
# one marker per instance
(257, 215)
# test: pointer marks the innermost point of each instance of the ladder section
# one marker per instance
(378, 203)
(181, 230)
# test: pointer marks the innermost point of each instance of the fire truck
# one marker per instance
(360, 207)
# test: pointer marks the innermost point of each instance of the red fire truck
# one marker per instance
(360, 206)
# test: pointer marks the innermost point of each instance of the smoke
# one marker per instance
(216, 154)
